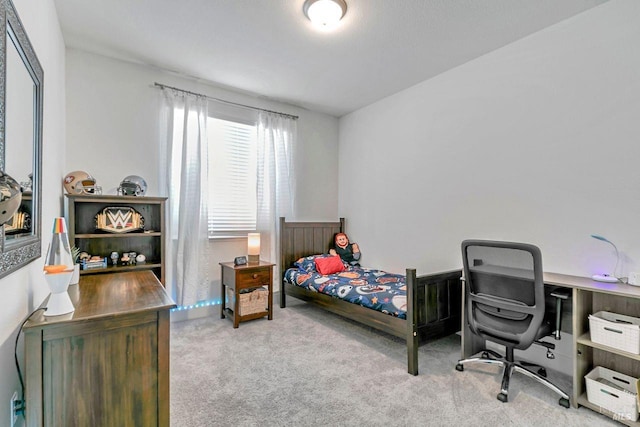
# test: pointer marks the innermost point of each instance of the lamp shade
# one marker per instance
(253, 247)
(598, 237)
(58, 269)
(59, 256)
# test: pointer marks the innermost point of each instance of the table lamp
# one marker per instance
(58, 269)
(253, 247)
(610, 278)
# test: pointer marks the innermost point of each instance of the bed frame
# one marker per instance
(433, 301)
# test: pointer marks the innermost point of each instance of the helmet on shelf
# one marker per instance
(80, 182)
(10, 197)
(133, 185)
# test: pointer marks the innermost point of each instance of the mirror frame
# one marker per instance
(19, 252)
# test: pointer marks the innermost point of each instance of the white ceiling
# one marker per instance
(268, 47)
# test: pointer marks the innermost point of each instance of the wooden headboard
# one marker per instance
(298, 239)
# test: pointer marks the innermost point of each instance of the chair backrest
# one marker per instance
(504, 291)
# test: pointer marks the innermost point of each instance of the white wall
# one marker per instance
(25, 289)
(536, 142)
(112, 132)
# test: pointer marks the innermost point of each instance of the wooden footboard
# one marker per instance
(433, 309)
(433, 300)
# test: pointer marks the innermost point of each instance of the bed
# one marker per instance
(433, 301)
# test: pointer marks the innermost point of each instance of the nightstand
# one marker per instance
(247, 278)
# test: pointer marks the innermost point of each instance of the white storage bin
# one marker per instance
(613, 391)
(615, 330)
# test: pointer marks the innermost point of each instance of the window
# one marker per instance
(232, 177)
(231, 167)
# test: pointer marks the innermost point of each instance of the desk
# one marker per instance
(589, 297)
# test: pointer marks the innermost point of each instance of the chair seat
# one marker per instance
(545, 330)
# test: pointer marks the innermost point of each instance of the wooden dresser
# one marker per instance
(105, 364)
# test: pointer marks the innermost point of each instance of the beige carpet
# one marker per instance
(307, 367)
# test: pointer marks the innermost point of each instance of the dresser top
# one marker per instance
(102, 295)
(247, 266)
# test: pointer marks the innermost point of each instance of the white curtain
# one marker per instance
(183, 178)
(276, 180)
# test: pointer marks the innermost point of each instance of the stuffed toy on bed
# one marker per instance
(349, 252)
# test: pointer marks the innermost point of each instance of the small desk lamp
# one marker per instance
(606, 277)
(253, 247)
(58, 269)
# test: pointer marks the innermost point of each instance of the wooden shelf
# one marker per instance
(120, 268)
(116, 235)
(582, 401)
(591, 298)
(585, 339)
(81, 211)
(244, 318)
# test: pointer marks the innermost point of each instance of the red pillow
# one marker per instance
(329, 265)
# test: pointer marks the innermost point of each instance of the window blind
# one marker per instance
(232, 178)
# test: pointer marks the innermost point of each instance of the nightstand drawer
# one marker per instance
(251, 279)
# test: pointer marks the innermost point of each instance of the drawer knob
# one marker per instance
(255, 276)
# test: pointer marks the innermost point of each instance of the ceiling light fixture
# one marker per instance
(325, 13)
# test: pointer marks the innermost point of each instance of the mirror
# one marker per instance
(21, 88)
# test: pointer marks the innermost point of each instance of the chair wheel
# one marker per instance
(460, 367)
(563, 402)
(503, 398)
(542, 372)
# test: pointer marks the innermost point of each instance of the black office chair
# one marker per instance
(505, 303)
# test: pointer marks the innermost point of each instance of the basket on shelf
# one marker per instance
(613, 391)
(254, 301)
(615, 330)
